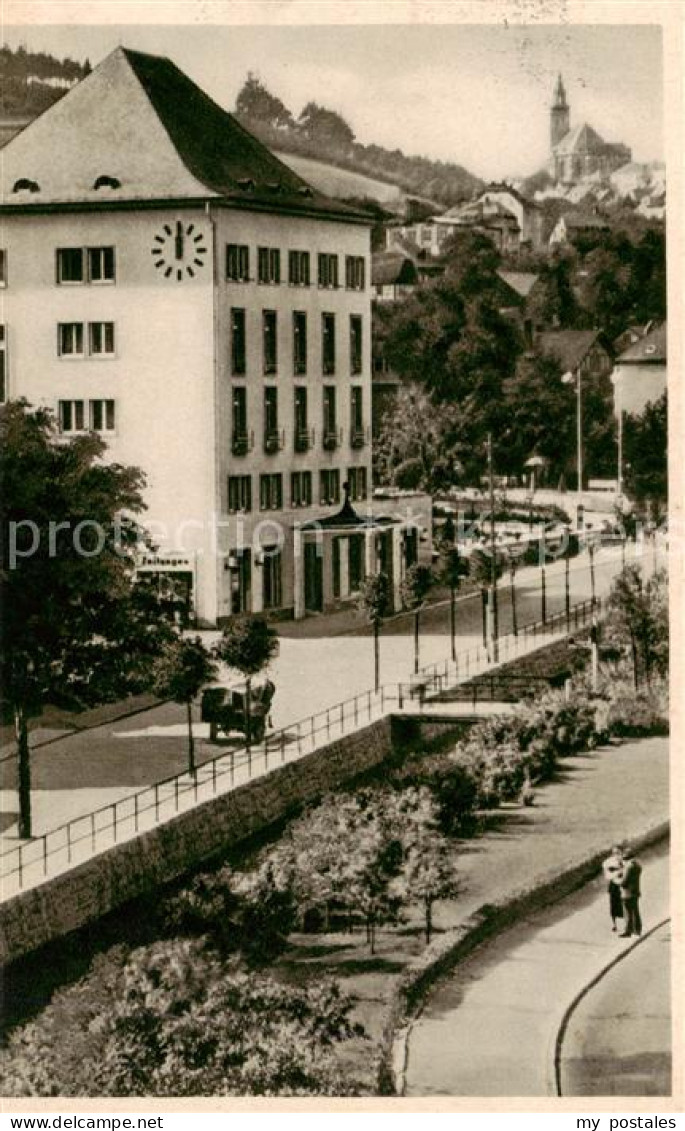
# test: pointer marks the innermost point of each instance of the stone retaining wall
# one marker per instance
(135, 867)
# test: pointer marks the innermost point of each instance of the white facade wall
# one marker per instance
(637, 385)
(170, 377)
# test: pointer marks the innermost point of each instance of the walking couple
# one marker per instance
(622, 871)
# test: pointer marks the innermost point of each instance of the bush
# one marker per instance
(173, 1020)
(250, 914)
(409, 475)
(632, 714)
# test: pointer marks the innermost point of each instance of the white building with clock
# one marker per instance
(167, 282)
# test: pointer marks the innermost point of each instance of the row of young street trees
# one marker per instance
(77, 629)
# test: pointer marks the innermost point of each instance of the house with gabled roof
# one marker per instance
(171, 285)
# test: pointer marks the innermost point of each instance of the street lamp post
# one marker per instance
(568, 379)
(567, 579)
(543, 589)
(493, 554)
(512, 582)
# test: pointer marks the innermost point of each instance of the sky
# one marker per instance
(477, 95)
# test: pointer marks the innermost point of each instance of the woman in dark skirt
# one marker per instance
(612, 868)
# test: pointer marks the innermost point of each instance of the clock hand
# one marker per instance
(179, 240)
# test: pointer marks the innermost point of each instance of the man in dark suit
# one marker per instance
(629, 883)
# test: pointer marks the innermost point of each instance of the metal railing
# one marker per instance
(83, 837)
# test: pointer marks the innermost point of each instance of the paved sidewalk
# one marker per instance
(490, 1028)
(610, 794)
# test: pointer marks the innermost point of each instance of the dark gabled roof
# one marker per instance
(651, 349)
(216, 149)
(389, 267)
(569, 347)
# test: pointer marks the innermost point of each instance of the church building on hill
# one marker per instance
(579, 152)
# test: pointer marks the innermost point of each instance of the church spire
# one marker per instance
(560, 102)
(560, 114)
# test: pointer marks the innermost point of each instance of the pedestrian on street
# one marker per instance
(612, 868)
(629, 881)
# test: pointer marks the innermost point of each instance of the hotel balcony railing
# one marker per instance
(359, 437)
(242, 443)
(274, 440)
(304, 439)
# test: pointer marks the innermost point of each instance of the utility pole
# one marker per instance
(493, 554)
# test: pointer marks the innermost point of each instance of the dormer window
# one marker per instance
(305, 190)
(273, 186)
(246, 183)
(25, 185)
(107, 182)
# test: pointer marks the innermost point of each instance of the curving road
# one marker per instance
(617, 1040)
(491, 1028)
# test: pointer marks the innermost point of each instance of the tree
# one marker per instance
(645, 457)
(415, 588)
(325, 127)
(248, 644)
(67, 563)
(256, 106)
(541, 415)
(375, 601)
(638, 618)
(182, 669)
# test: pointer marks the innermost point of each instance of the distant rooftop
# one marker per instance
(650, 349)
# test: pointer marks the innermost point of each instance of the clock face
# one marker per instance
(179, 251)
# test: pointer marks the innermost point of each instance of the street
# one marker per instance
(83, 771)
(490, 1029)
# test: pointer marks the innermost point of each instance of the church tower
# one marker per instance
(559, 114)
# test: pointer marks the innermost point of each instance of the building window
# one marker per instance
(298, 268)
(272, 577)
(3, 267)
(4, 367)
(101, 267)
(239, 436)
(301, 489)
(299, 342)
(329, 487)
(70, 339)
(354, 272)
(356, 344)
(328, 270)
(356, 560)
(70, 265)
(302, 438)
(102, 416)
(270, 340)
(330, 423)
(238, 343)
(72, 262)
(356, 478)
(357, 416)
(71, 416)
(328, 344)
(237, 263)
(271, 492)
(268, 265)
(239, 493)
(101, 339)
(272, 440)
